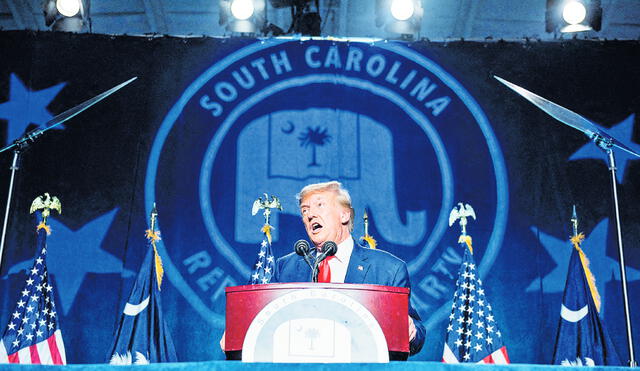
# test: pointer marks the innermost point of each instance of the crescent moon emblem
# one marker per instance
(289, 129)
(573, 315)
(135, 309)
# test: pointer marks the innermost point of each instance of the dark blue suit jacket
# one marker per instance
(378, 268)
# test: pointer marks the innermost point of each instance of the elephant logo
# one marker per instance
(275, 115)
(293, 155)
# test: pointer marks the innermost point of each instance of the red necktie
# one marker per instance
(325, 272)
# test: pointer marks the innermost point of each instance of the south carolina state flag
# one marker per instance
(142, 336)
(582, 338)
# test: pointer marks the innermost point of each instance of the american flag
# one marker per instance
(265, 264)
(472, 334)
(33, 335)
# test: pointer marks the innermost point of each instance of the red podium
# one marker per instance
(285, 322)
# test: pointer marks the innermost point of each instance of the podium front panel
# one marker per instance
(387, 307)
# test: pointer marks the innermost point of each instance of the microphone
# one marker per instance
(301, 247)
(329, 248)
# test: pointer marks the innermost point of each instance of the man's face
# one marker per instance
(324, 218)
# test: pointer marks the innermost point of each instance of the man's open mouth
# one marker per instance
(315, 226)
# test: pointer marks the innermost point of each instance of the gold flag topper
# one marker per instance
(367, 237)
(576, 240)
(46, 203)
(462, 212)
(154, 236)
(266, 205)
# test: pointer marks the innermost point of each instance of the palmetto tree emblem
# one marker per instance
(311, 334)
(314, 137)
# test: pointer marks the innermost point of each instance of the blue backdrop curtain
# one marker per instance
(411, 129)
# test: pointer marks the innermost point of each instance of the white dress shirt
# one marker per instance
(339, 264)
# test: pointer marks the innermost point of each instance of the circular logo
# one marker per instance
(403, 136)
(314, 325)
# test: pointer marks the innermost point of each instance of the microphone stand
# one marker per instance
(22, 144)
(316, 265)
(14, 167)
(606, 142)
(623, 275)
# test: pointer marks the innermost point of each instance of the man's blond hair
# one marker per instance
(342, 196)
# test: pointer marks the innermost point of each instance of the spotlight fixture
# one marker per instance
(399, 17)
(67, 15)
(242, 9)
(573, 15)
(402, 10)
(243, 16)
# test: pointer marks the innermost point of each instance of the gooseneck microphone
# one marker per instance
(301, 247)
(329, 248)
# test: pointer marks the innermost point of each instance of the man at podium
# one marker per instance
(327, 215)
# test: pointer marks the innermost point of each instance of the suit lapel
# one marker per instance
(358, 265)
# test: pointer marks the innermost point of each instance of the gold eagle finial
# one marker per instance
(462, 212)
(46, 203)
(267, 205)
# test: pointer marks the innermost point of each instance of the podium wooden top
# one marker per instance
(314, 285)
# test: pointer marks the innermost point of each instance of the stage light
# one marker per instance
(402, 9)
(243, 16)
(399, 17)
(67, 15)
(573, 15)
(574, 12)
(68, 8)
(242, 9)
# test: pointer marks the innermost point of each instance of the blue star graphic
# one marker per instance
(604, 268)
(26, 107)
(622, 131)
(73, 254)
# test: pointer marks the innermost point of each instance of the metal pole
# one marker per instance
(14, 168)
(623, 275)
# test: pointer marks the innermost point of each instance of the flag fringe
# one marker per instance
(370, 241)
(591, 279)
(42, 225)
(266, 229)
(153, 237)
(467, 240)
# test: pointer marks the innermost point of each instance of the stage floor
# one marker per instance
(392, 366)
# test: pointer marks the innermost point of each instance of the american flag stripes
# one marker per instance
(33, 335)
(472, 334)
